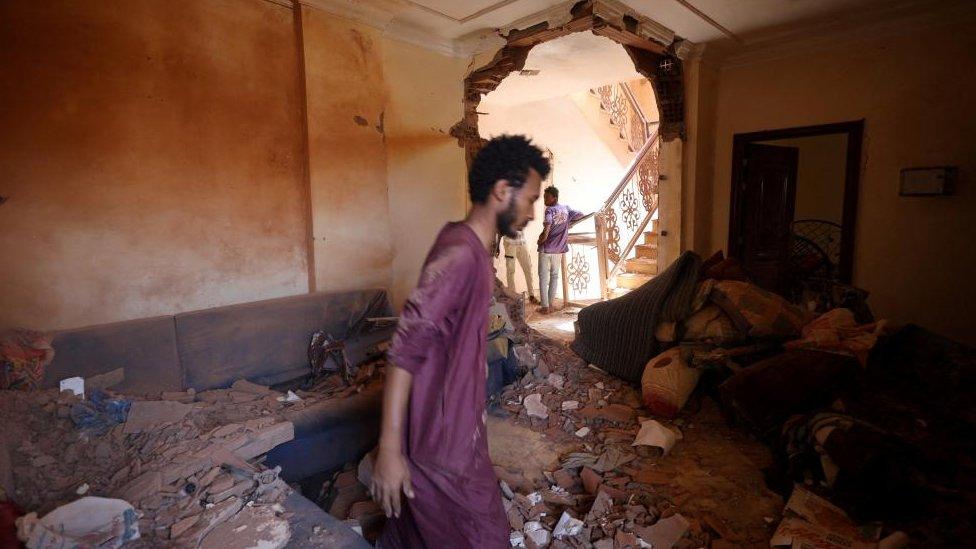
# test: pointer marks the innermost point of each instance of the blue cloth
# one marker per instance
(100, 413)
(502, 372)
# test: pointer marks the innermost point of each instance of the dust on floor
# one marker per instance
(713, 473)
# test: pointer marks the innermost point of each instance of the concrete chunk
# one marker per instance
(146, 414)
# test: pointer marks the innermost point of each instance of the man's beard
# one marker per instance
(506, 220)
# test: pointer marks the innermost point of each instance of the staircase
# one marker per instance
(626, 252)
(643, 266)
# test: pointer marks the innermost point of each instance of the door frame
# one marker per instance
(855, 134)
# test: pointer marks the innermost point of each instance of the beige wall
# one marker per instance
(915, 255)
(599, 126)
(151, 157)
(426, 173)
(347, 156)
(820, 174)
(644, 93)
(698, 161)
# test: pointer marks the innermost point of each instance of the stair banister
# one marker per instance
(608, 252)
(631, 170)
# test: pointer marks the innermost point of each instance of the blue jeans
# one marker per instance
(549, 277)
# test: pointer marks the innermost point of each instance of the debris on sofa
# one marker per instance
(89, 521)
(757, 312)
(74, 384)
(146, 415)
(290, 396)
(327, 354)
(99, 413)
(335, 385)
(837, 331)
(24, 356)
(185, 468)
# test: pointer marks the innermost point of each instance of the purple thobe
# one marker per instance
(441, 340)
(558, 217)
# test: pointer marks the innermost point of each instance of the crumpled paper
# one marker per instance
(653, 433)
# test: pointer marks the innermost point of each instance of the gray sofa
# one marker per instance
(264, 342)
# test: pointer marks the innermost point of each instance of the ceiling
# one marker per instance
(463, 27)
(566, 65)
(452, 19)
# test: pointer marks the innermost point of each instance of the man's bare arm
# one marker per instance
(545, 234)
(391, 474)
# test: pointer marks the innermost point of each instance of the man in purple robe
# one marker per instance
(433, 442)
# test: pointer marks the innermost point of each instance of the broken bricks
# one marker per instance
(534, 406)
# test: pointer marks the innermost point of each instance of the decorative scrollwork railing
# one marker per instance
(625, 113)
(623, 217)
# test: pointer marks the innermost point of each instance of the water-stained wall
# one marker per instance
(150, 154)
(164, 156)
(347, 154)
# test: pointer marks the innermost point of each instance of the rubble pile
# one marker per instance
(603, 492)
(346, 497)
(583, 508)
(188, 462)
(602, 495)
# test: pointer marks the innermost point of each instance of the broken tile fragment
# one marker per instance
(601, 506)
(536, 533)
(559, 497)
(591, 480)
(665, 533)
(625, 540)
(146, 414)
(556, 380)
(618, 413)
(534, 406)
(564, 479)
(182, 526)
(612, 458)
(567, 526)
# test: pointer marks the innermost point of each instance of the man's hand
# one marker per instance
(390, 476)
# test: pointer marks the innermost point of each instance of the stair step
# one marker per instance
(641, 266)
(632, 281)
(650, 237)
(646, 251)
(618, 292)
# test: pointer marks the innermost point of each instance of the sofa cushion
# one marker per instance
(145, 348)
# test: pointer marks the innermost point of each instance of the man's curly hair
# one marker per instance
(507, 157)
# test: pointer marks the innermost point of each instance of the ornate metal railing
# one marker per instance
(623, 217)
(625, 113)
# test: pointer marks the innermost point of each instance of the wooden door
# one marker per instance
(768, 196)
